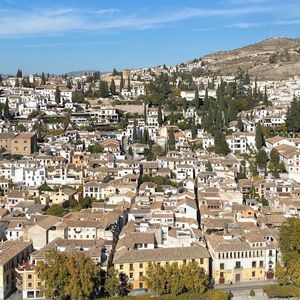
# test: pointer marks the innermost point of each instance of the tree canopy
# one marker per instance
(68, 276)
(288, 269)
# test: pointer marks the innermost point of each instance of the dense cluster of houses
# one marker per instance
(183, 205)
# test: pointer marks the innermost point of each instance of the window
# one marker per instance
(29, 284)
(237, 264)
(222, 266)
(130, 275)
(254, 264)
(131, 267)
(141, 265)
(261, 263)
(141, 274)
(121, 267)
(201, 261)
(253, 274)
(29, 276)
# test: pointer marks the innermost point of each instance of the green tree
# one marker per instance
(156, 278)
(293, 116)
(266, 101)
(194, 278)
(128, 83)
(43, 79)
(130, 151)
(194, 128)
(197, 99)
(121, 82)
(84, 277)
(68, 276)
(57, 95)
(240, 124)
(159, 115)
(19, 73)
(259, 137)
(115, 72)
(103, 89)
(69, 84)
(6, 113)
(56, 210)
(209, 167)
(113, 87)
(135, 131)
(274, 156)
(111, 285)
(221, 146)
(289, 244)
(252, 293)
(96, 148)
(261, 159)
(54, 275)
(171, 141)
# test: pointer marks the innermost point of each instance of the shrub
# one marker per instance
(282, 291)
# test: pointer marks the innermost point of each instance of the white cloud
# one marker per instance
(109, 11)
(245, 25)
(14, 23)
(287, 22)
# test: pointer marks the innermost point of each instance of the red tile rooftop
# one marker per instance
(26, 266)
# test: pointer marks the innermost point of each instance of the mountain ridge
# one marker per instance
(270, 59)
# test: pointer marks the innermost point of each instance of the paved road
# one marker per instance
(243, 295)
(245, 285)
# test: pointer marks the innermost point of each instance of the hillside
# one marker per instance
(271, 59)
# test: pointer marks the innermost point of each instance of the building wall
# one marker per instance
(136, 271)
(7, 272)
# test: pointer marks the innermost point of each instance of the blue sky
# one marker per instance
(57, 36)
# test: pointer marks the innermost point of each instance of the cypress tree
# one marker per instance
(121, 82)
(206, 101)
(197, 99)
(57, 95)
(240, 124)
(293, 116)
(265, 101)
(19, 73)
(220, 143)
(43, 79)
(259, 138)
(103, 89)
(171, 139)
(6, 113)
(113, 87)
(172, 119)
(128, 83)
(194, 128)
(145, 112)
(69, 84)
(159, 115)
(135, 134)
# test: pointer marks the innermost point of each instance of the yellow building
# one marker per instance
(134, 263)
(251, 257)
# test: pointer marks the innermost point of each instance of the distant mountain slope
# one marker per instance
(271, 59)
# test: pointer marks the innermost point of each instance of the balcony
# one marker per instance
(237, 267)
